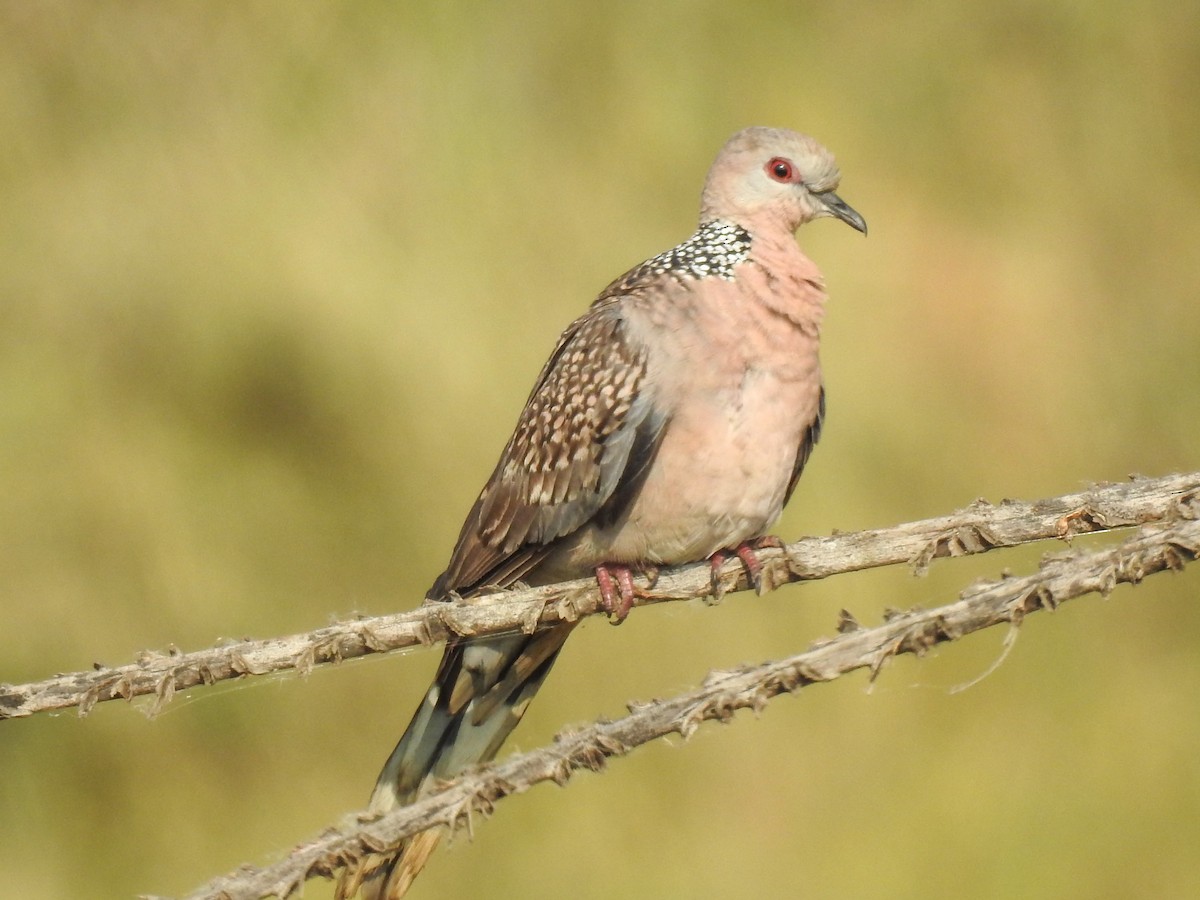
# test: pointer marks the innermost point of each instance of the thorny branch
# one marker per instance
(1153, 548)
(975, 529)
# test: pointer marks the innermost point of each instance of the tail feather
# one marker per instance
(479, 694)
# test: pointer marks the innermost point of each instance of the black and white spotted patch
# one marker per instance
(713, 251)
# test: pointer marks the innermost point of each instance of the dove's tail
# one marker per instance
(481, 691)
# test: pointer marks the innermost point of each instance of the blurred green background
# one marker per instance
(275, 279)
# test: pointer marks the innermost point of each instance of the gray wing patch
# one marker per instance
(806, 445)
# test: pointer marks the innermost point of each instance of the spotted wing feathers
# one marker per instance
(586, 434)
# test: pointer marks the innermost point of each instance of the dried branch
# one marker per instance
(1154, 548)
(976, 529)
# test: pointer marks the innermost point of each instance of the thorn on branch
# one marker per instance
(1038, 596)
(461, 816)
(960, 541)
(1084, 520)
(425, 636)
(305, 660)
(163, 693)
(122, 687)
(242, 666)
(87, 701)
(599, 751)
(570, 605)
(371, 639)
(1188, 506)
(1176, 555)
(921, 637)
(846, 623)
(878, 659)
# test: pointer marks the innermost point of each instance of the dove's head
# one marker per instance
(772, 177)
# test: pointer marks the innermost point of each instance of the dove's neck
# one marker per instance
(780, 277)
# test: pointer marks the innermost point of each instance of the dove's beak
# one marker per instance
(840, 209)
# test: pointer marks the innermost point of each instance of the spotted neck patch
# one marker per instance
(712, 252)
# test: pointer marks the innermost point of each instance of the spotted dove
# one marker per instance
(670, 425)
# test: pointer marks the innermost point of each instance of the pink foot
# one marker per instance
(616, 596)
(746, 551)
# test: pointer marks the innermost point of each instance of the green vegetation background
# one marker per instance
(275, 279)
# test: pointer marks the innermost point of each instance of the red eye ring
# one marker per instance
(780, 169)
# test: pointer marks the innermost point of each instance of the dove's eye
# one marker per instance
(780, 169)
